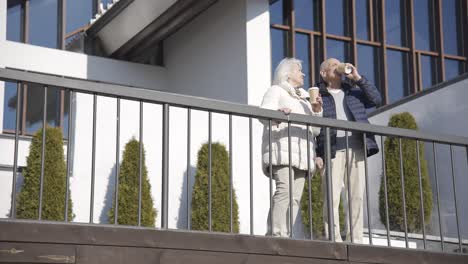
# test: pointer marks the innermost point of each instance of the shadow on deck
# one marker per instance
(47, 242)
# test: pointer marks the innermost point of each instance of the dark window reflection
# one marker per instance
(396, 23)
(424, 24)
(303, 53)
(397, 75)
(79, 13)
(338, 49)
(278, 12)
(362, 19)
(9, 106)
(14, 23)
(279, 44)
(66, 114)
(368, 64)
(452, 26)
(428, 71)
(453, 68)
(337, 17)
(35, 107)
(307, 14)
(43, 23)
(318, 57)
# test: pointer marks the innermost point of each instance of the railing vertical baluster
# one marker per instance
(331, 220)
(434, 154)
(117, 163)
(231, 205)
(69, 152)
(15, 157)
(270, 170)
(455, 199)
(366, 175)
(291, 182)
(93, 161)
(140, 163)
(165, 168)
(402, 178)
(384, 172)
(41, 181)
(251, 177)
(421, 199)
(187, 180)
(209, 170)
(350, 210)
(309, 177)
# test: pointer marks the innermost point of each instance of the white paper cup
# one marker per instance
(313, 94)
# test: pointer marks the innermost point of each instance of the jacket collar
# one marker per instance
(322, 85)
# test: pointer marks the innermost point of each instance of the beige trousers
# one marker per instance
(340, 189)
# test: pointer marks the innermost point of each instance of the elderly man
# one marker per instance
(346, 100)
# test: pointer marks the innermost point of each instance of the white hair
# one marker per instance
(284, 68)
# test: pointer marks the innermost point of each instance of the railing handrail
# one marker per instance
(218, 106)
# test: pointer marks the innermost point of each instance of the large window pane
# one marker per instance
(397, 75)
(14, 23)
(396, 23)
(43, 23)
(337, 17)
(452, 26)
(303, 53)
(9, 106)
(35, 107)
(66, 114)
(428, 71)
(368, 64)
(307, 14)
(278, 12)
(79, 13)
(279, 47)
(453, 68)
(362, 19)
(338, 50)
(424, 24)
(318, 57)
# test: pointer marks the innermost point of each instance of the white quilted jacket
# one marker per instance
(284, 96)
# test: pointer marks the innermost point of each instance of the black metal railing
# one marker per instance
(168, 100)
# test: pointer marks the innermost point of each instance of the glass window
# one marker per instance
(362, 19)
(279, 47)
(79, 13)
(452, 25)
(397, 75)
(337, 17)
(278, 12)
(66, 114)
(14, 23)
(43, 29)
(318, 57)
(396, 24)
(303, 53)
(368, 63)
(35, 107)
(424, 27)
(9, 106)
(453, 68)
(428, 71)
(307, 14)
(338, 50)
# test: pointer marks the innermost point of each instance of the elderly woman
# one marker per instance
(288, 96)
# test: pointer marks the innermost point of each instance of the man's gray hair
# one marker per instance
(284, 68)
(325, 64)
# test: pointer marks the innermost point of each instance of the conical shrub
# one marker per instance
(411, 178)
(54, 181)
(129, 177)
(219, 192)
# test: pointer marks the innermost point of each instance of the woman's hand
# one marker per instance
(285, 110)
(317, 106)
(319, 163)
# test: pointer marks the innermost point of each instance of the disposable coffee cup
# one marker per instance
(313, 94)
(344, 68)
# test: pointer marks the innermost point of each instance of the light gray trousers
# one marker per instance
(281, 226)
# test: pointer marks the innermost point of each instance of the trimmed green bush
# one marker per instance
(317, 207)
(410, 172)
(220, 218)
(54, 184)
(129, 187)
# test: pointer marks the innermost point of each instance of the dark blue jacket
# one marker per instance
(358, 99)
